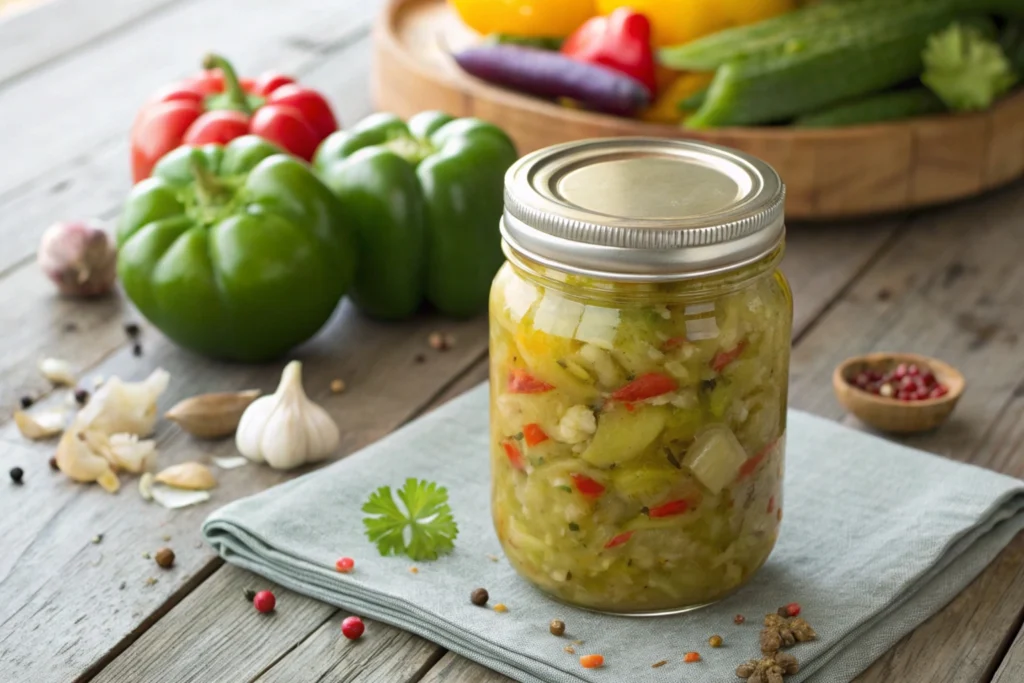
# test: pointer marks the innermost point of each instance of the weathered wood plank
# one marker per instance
(54, 29)
(1012, 668)
(455, 669)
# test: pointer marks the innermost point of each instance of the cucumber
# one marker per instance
(694, 101)
(886, 106)
(779, 87)
(1012, 41)
(623, 435)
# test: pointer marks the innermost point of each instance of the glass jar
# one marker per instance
(639, 339)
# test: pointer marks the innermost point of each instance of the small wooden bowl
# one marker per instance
(890, 414)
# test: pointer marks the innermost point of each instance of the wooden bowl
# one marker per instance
(890, 414)
(829, 173)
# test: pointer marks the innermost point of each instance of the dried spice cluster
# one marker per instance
(782, 629)
(780, 632)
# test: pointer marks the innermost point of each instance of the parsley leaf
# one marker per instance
(422, 530)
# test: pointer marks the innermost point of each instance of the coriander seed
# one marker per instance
(715, 641)
(738, 619)
(164, 557)
(479, 597)
(557, 627)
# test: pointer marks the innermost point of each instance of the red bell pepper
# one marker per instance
(620, 41)
(534, 434)
(669, 509)
(619, 540)
(723, 358)
(217, 107)
(515, 456)
(645, 386)
(587, 486)
(522, 382)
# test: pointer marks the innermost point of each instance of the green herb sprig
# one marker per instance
(423, 530)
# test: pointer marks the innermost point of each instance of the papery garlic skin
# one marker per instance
(124, 407)
(127, 452)
(286, 429)
(79, 258)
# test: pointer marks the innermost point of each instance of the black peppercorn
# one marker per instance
(81, 396)
(26, 401)
(479, 597)
(53, 464)
(17, 475)
(249, 594)
(132, 330)
(137, 349)
(420, 358)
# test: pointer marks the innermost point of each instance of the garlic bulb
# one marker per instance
(79, 258)
(124, 407)
(286, 429)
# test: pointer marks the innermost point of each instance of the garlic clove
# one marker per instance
(230, 462)
(286, 429)
(42, 426)
(79, 257)
(174, 498)
(57, 371)
(212, 416)
(125, 407)
(126, 452)
(193, 476)
(80, 455)
(146, 485)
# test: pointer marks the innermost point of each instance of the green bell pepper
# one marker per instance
(425, 199)
(237, 252)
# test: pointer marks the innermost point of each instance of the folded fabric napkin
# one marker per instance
(876, 538)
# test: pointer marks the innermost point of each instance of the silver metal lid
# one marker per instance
(642, 209)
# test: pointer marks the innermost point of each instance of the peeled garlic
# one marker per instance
(57, 371)
(193, 476)
(146, 486)
(124, 407)
(212, 416)
(81, 456)
(286, 429)
(41, 426)
(126, 452)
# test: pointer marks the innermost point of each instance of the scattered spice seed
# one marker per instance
(53, 463)
(147, 556)
(691, 657)
(150, 581)
(437, 341)
(97, 539)
(71, 327)
(132, 330)
(500, 607)
(715, 641)
(492, 558)
(557, 627)
(81, 396)
(249, 594)
(345, 564)
(570, 649)
(137, 350)
(26, 402)
(264, 602)
(337, 386)
(123, 585)
(577, 642)
(17, 475)
(164, 558)
(352, 627)
(414, 570)
(738, 619)
(591, 661)
(420, 358)
(658, 665)
(166, 537)
(479, 597)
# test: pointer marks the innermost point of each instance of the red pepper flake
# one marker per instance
(658, 665)
(591, 661)
(771, 505)
(793, 609)
(344, 564)
(522, 382)
(534, 434)
(673, 507)
(673, 343)
(691, 657)
(645, 386)
(587, 486)
(619, 540)
(515, 456)
(723, 358)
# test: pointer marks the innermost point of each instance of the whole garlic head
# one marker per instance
(79, 258)
(286, 429)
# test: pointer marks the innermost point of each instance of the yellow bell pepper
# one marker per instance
(665, 109)
(680, 21)
(547, 18)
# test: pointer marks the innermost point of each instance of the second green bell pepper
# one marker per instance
(425, 199)
(237, 252)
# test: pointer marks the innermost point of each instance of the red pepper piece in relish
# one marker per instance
(723, 358)
(645, 386)
(533, 434)
(748, 467)
(515, 456)
(587, 486)
(619, 540)
(673, 507)
(522, 382)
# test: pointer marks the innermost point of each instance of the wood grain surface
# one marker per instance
(945, 282)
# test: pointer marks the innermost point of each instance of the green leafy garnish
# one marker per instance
(965, 68)
(424, 530)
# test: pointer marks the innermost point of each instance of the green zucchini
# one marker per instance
(886, 106)
(694, 101)
(781, 86)
(540, 42)
(1012, 41)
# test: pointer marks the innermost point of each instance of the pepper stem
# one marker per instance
(236, 95)
(209, 187)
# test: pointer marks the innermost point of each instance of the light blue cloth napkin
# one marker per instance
(876, 538)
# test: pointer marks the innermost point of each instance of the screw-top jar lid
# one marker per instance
(642, 209)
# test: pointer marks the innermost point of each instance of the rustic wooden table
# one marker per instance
(946, 282)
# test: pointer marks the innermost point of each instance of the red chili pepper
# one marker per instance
(645, 386)
(522, 382)
(620, 41)
(723, 358)
(217, 107)
(515, 456)
(673, 343)
(587, 486)
(750, 464)
(534, 434)
(673, 507)
(618, 540)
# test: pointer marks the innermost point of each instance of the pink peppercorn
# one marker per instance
(352, 627)
(264, 602)
(345, 564)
